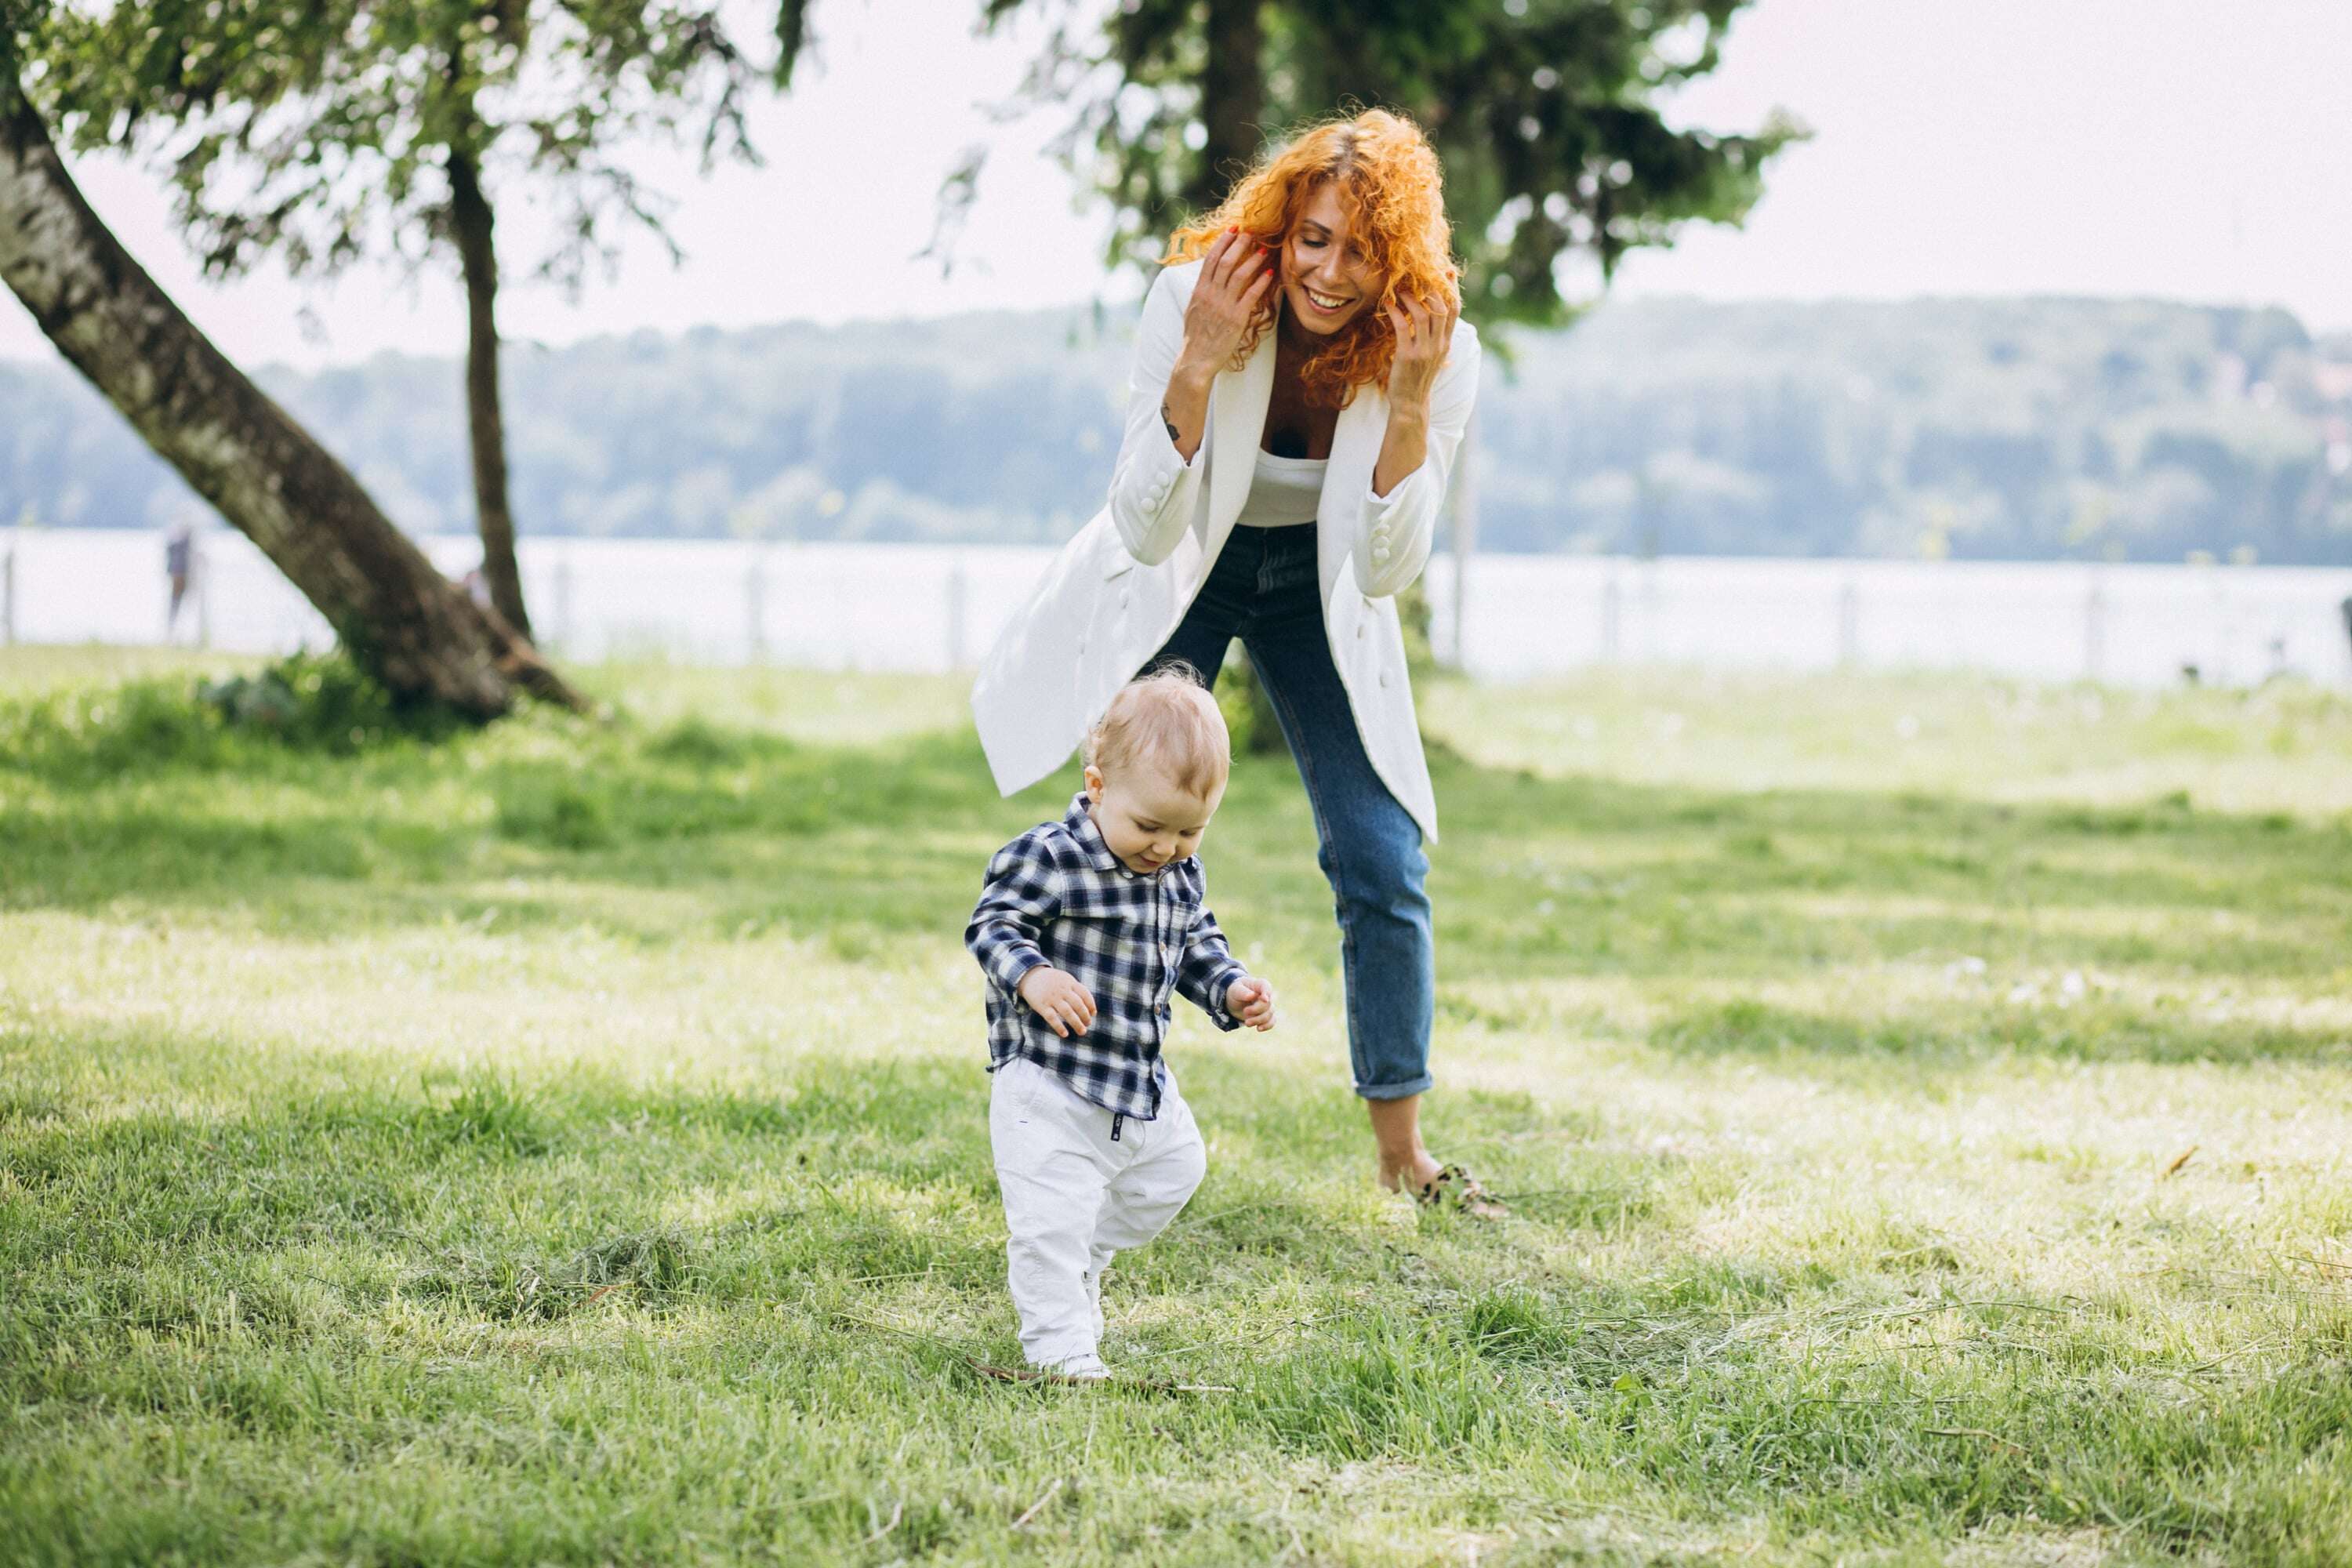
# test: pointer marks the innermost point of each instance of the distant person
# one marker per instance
(1086, 928)
(180, 563)
(1300, 384)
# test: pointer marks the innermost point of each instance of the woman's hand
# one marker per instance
(1225, 300)
(1234, 277)
(1424, 330)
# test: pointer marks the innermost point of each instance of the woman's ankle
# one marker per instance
(1406, 1161)
(1414, 1168)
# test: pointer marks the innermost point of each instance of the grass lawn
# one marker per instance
(1928, 1105)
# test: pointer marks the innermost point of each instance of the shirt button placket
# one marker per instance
(1166, 937)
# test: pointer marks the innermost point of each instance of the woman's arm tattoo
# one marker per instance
(1168, 419)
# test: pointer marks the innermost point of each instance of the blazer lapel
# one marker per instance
(1355, 451)
(1237, 406)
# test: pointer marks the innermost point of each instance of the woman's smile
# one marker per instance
(1322, 311)
(1325, 274)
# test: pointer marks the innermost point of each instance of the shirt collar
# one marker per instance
(1081, 823)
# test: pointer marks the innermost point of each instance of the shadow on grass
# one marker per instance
(2088, 1032)
(505, 1201)
(1819, 1427)
(289, 1248)
(1537, 875)
(552, 823)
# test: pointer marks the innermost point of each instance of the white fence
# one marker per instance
(934, 608)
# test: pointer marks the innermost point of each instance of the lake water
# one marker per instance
(935, 607)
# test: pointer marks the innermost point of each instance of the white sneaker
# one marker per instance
(1085, 1368)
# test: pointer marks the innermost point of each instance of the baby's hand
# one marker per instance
(1058, 999)
(1252, 1001)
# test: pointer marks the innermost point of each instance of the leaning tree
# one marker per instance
(402, 620)
(321, 132)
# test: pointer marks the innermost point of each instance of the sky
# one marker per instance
(2180, 149)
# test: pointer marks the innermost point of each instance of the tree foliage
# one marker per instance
(320, 130)
(323, 131)
(1543, 111)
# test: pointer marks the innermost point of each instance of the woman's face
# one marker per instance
(1327, 283)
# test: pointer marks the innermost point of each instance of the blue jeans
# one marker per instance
(1264, 590)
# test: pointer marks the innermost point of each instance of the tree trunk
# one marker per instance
(400, 618)
(1232, 99)
(471, 218)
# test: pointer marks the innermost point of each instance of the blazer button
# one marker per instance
(1385, 677)
(1379, 554)
(1123, 596)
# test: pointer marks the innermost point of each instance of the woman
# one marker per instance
(1300, 385)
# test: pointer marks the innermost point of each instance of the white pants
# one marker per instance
(1075, 1198)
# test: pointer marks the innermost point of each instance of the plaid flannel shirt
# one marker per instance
(1057, 895)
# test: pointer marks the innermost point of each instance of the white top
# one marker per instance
(1284, 492)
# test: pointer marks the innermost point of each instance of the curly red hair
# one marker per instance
(1390, 173)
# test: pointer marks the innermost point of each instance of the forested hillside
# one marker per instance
(1984, 427)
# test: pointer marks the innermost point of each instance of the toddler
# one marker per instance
(1085, 927)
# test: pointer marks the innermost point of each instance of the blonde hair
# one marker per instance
(1166, 719)
(1390, 173)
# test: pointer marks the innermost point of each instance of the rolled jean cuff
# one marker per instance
(1410, 1085)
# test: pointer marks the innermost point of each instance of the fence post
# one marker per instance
(1653, 613)
(755, 606)
(1849, 623)
(200, 572)
(958, 595)
(563, 600)
(2225, 663)
(2095, 629)
(1612, 612)
(1463, 496)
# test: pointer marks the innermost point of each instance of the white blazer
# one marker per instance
(1120, 589)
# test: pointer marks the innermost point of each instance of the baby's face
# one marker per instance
(1148, 822)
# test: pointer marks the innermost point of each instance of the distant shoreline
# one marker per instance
(2008, 428)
